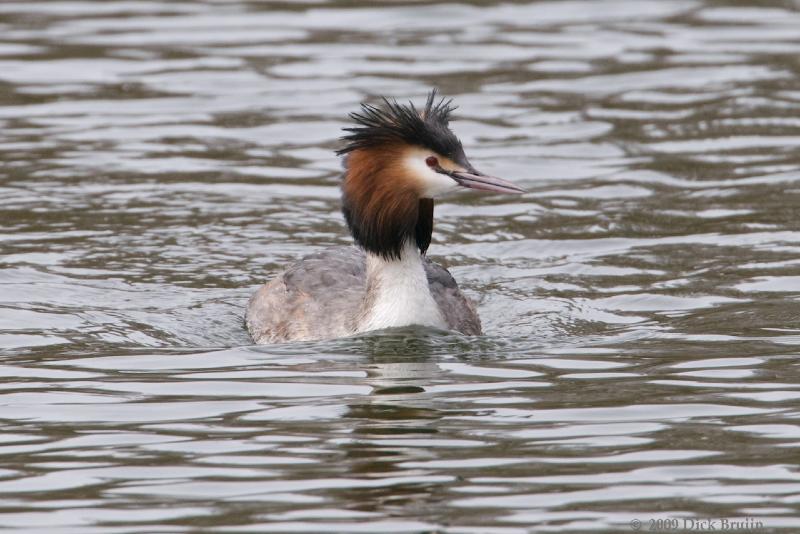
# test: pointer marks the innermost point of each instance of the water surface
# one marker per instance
(641, 302)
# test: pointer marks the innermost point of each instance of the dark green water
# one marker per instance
(641, 303)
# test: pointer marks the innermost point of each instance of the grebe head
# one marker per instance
(398, 159)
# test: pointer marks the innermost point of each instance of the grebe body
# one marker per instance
(329, 294)
(397, 161)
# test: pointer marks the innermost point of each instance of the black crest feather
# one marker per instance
(395, 122)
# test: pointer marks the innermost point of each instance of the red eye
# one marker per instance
(432, 161)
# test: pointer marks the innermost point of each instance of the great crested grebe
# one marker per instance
(397, 160)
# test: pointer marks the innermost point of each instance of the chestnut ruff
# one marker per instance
(380, 202)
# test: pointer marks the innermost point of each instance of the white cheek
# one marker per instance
(434, 184)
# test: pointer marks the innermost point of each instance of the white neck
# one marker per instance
(398, 293)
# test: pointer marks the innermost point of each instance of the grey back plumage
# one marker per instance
(320, 297)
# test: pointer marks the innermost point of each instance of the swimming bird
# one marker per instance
(397, 160)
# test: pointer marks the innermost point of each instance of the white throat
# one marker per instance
(398, 293)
